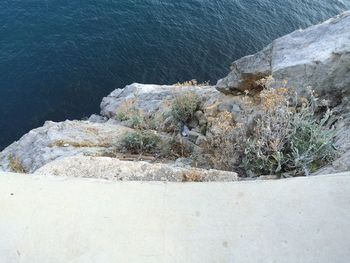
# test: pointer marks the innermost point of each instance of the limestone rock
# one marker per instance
(342, 143)
(245, 71)
(318, 56)
(61, 139)
(193, 136)
(97, 118)
(114, 169)
(154, 99)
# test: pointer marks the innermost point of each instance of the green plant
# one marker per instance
(283, 135)
(121, 116)
(140, 142)
(288, 138)
(184, 106)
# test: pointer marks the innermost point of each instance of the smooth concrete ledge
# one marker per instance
(66, 220)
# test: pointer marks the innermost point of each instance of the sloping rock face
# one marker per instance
(58, 140)
(114, 169)
(318, 56)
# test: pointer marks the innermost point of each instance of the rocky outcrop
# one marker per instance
(318, 56)
(114, 169)
(58, 140)
(100, 135)
(154, 99)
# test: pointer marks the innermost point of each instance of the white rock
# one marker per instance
(318, 56)
(114, 169)
(61, 139)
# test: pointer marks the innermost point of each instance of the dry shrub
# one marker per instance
(192, 82)
(16, 165)
(126, 110)
(278, 137)
(129, 112)
(220, 136)
(192, 176)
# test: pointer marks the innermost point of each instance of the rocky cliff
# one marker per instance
(318, 56)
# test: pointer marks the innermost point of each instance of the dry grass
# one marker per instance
(126, 110)
(82, 144)
(192, 82)
(192, 176)
(15, 165)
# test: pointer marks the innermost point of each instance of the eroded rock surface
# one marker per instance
(114, 169)
(152, 99)
(58, 140)
(318, 56)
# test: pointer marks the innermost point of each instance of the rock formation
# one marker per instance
(58, 140)
(318, 56)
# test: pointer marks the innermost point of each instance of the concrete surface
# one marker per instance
(75, 220)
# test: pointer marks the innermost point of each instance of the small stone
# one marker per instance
(193, 123)
(193, 136)
(183, 162)
(201, 140)
(202, 120)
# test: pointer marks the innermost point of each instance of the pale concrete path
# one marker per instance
(66, 220)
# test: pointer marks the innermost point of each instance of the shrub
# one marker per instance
(184, 106)
(288, 138)
(126, 110)
(141, 142)
(282, 138)
(121, 116)
(129, 112)
(174, 148)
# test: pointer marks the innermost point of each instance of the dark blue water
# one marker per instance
(58, 58)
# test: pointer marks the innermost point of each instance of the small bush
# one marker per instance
(184, 106)
(288, 139)
(126, 110)
(175, 149)
(141, 142)
(121, 116)
(281, 138)
(136, 117)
